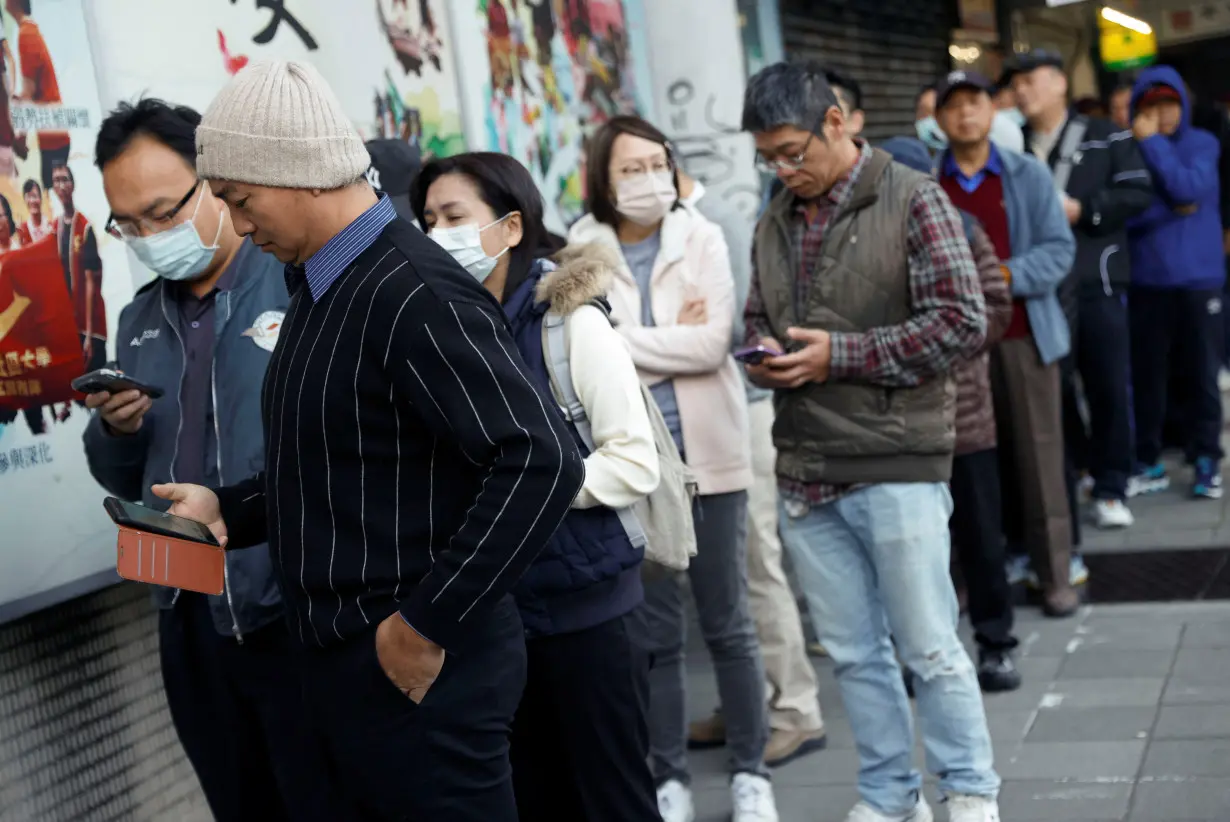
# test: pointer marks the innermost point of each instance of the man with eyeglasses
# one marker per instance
(204, 331)
(865, 293)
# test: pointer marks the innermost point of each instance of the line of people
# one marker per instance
(422, 447)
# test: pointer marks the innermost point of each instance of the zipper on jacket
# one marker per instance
(1104, 270)
(213, 398)
(183, 367)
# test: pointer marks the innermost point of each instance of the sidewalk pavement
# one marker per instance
(1124, 717)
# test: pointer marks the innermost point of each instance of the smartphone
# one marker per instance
(106, 379)
(755, 355)
(163, 549)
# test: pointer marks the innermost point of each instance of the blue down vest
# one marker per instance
(588, 573)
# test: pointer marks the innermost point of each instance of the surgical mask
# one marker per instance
(178, 253)
(1015, 115)
(929, 132)
(645, 198)
(465, 244)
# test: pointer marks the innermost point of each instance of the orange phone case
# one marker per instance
(174, 563)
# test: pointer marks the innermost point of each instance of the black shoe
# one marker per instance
(997, 672)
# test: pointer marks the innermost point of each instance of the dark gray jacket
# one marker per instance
(148, 347)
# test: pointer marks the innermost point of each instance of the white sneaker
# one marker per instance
(863, 812)
(675, 802)
(752, 797)
(1111, 513)
(972, 809)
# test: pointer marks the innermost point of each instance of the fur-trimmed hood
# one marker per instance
(582, 274)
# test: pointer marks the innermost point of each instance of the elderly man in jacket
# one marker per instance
(865, 289)
(203, 331)
(1012, 195)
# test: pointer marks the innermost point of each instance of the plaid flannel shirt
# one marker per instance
(948, 320)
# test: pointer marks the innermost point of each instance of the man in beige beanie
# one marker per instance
(412, 471)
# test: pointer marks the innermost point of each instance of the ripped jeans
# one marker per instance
(874, 566)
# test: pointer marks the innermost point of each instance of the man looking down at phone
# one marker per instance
(864, 281)
(413, 471)
(228, 664)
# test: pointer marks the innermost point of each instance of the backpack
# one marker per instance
(661, 523)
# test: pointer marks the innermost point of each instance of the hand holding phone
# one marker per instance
(122, 413)
(164, 549)
(113, 381)
(756, 354)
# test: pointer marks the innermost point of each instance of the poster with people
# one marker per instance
(63, 281)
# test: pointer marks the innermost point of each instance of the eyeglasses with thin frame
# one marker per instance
(147, 226)
(790, 163)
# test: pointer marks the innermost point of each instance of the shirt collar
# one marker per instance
(994, 165)
(324, 267)
(844, 187)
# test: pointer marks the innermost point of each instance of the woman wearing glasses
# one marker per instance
(673, 300)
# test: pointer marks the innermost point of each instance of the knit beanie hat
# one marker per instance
(277, 123)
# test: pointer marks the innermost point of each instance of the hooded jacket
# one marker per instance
(1177, 241)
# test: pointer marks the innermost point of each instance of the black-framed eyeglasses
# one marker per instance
(147, 226)
(791, 163)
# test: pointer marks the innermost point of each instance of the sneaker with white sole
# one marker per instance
(1149, 479)
(863, 812)
(1112, 513)
(675, 802)
(752, 798)
(972, 809)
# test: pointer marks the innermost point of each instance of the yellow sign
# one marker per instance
(1124, 49)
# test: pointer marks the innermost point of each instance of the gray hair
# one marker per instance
(787, 94)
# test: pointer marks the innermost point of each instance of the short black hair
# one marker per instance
(787, 94)
(25, 7)
(599, 200)
(8, 214)
(64, 165)
(173, 126)
(31, 185)
(505, 186)
(847, 86)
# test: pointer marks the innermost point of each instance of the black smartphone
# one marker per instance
(107, 379)
(138, 517)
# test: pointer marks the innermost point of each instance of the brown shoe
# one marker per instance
(1061, 602)
(707, 733)
(787, 746)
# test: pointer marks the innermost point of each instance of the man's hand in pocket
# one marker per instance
(411, 662)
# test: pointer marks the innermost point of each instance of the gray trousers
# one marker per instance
(718, 577)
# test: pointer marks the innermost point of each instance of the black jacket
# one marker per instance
(1111, 181)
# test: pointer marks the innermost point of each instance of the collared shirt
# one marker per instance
(944, 293)
(196, 322)
(327, 264)
(969, 184)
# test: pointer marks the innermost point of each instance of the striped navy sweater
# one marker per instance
(411, 465)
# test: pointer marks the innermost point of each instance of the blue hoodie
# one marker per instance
(1168, 249)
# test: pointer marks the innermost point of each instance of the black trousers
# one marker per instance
(443, 759)
(239, 716)
(977, 536)
(580, 741)
(1101, 356)
(1171, 326)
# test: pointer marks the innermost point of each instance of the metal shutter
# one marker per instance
(891, 48)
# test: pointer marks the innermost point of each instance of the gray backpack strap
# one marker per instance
(559, 369)
(1072, 139)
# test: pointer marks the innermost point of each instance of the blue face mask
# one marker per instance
(929, 132)
(178, 254)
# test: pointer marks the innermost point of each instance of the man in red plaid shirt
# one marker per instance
(865, 290)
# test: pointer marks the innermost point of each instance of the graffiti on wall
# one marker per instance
(559, 69)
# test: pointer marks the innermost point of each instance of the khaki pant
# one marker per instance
(793, 697)
(1036, 514)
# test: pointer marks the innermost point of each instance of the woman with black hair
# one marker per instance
(580, 739)
(673, 297)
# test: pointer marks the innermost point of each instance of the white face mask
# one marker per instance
(646, 198)
(465, 243)
(178, 253)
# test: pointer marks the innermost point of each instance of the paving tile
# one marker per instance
(1072, 760)
(1039, 668)
(1105, 693)
(1092, 724)
(1183, 691)
(1192, 722)
(1063, 800)
(828, 767)
(1188, 800)
(1202, 665)
(1185, 758)
(1132, 635)
(1207, 635)
(1087, 663)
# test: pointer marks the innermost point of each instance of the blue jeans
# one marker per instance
(874, 568)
